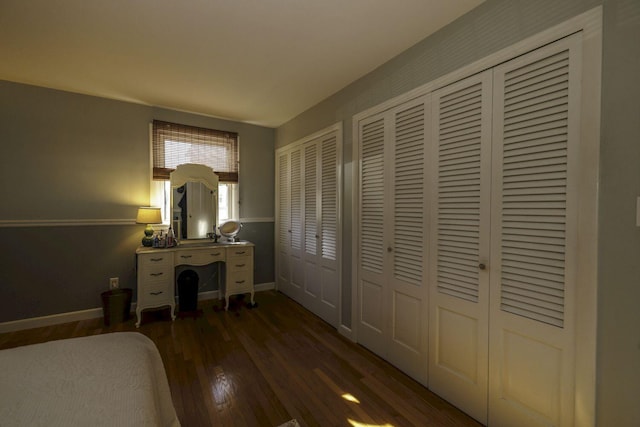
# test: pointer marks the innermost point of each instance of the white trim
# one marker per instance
(94, 313)
(264, 286)
(339, 211)
(54, 319)
(346, 332)
(206, 295)
(11, 223)
(586, 299)
(356, 162)
(265, 219)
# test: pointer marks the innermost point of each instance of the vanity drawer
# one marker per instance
(154, 277)
(199, 257)
(155, 261)
(240, 282)
(236, 264)
(153, 296)
(239, 251)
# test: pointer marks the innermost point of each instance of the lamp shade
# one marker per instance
(149, 216)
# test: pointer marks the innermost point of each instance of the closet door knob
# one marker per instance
(389, 249)
(482, 267)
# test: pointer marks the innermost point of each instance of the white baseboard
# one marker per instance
(203, 296)
(93, 313)
(264, 286)
(347, 332)
(54, 319)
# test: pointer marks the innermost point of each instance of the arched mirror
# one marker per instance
(194, 201)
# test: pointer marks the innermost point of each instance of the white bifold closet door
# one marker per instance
(290, 264)
(460, 246)
(504, 218)
(283, 223)
(320, 252)
(535, 191)
(307, 224)
(295, 231)
(392, 291)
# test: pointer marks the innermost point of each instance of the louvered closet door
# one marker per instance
(312, 287)
(533, 237)
(329, 298)
(321, 284)
(374, 235)
(297, 211)
(393, 311)
(283, 234)
(407, 245)
(460, 214)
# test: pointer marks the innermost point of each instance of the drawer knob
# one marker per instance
(239, 281)
(240, 265)
(185, 256)
(155, 259)
(156, 293)
(216, 254)
(240, 252)
(156, 274)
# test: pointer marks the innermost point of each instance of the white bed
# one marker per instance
(115, 379)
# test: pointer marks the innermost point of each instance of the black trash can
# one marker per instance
(188, 291)
(116, 305)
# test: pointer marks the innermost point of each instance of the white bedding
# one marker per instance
(115, 379)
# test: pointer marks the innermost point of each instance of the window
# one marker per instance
(175, 144)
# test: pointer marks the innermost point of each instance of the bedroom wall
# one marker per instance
(494, 25)
(619, 237)
(77, 158)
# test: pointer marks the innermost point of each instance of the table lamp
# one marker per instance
(148, 215)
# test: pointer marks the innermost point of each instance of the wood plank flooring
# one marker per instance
(264, 366)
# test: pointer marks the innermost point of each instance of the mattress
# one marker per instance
(115, 379)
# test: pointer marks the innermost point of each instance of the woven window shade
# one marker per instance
(176, 144)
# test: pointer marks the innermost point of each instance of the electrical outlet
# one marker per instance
(114, 283)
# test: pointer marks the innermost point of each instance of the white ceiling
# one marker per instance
(255, 61)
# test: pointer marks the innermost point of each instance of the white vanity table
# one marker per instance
(194, 212)
(156, 271)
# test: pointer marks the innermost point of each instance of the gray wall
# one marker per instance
(494, 25)
(619, 238)
(74, 157)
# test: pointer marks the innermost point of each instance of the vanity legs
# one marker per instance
(253, 302)
(139, 308)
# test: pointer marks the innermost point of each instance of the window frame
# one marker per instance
(160, 184)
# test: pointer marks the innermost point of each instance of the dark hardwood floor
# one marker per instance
(264, 366)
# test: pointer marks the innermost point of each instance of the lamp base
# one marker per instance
(147, 240)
